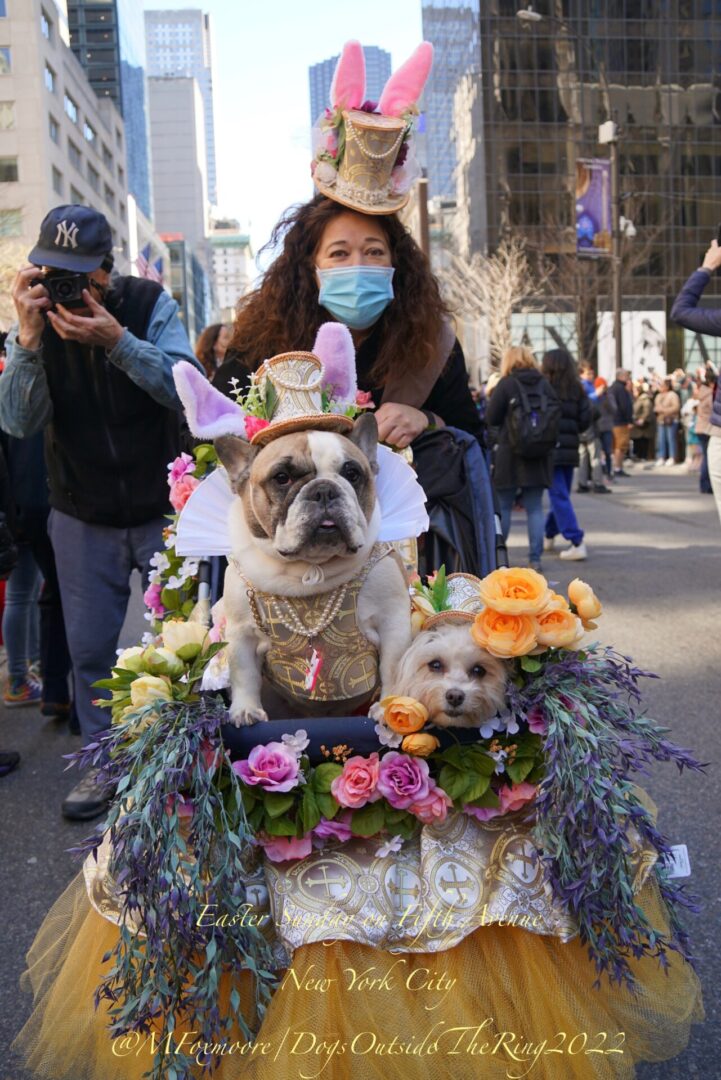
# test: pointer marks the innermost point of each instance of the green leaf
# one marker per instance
(271, 399)
(488, 799)
(327, 805)
(324, 776)
(454, 782)
(519, 770)
(310, 810)
(531, 664)
(280, 826)
(369, 820)
(477, 789)
(277, 803)
(439, 592)
(170, 598)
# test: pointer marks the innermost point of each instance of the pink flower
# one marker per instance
(536, 720)
(483, 813)
(434, 807)
(357, 784)
(178, 468)
(364, 399)
(183, 805)
(217, 631)
(273, 767)
(513, 798)
(403, 780)
(181, 491)
(254, 424)
(337, 829)
(151, 599)
(280, 848)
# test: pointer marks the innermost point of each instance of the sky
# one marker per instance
(262, 52)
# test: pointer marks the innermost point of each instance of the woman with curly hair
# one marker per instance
(212, 345)
(366, 271)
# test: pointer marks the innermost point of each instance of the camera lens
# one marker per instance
(65, 290)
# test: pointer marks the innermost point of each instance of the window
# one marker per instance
(75, 197)
(121, 176)
(49, 79)
(119, 138)
(8, 170)
(90, 133)
(54, 128)
(57, 181)
(76, 158)
(7, 115)
(11, 223)
(46, 25)
(71, 108)
(107, 158)
(93, 178)
(121, 210)
(110, 197)
(5, 66)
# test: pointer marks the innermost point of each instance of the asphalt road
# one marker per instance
(655, 562)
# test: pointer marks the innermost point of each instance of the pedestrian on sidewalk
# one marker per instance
(643, 421)
(606, 421)
(703, 393)
(667, 408)
(619, 394)
(559, 368)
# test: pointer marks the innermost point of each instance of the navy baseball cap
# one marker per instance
(72, 238)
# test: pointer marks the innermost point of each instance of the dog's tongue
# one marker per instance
(327, 524)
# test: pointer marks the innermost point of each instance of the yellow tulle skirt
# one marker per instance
(502, 1003)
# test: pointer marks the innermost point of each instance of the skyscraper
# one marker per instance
(178, 44)
(107, 38)
(320, 77)
(452, 28)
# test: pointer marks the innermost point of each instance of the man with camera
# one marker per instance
(90, 362)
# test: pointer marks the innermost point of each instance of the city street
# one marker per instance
(655, 562)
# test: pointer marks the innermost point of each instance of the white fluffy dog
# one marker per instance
(459, 683)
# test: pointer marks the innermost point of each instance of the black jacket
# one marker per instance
(575, 418)
(622, 402)
(108, 443)
(450, 398)
(510, 470)
(686, 312)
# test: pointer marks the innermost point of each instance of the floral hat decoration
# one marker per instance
(362, 150)
(445, 598)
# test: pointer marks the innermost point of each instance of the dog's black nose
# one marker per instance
(455, 698)
(323, 492)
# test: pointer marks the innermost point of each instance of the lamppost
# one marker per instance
(608, 135)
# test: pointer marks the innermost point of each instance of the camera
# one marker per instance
(64, 287)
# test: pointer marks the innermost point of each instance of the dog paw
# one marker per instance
(246, 716)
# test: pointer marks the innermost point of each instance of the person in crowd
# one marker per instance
(96, 376)
(620, 396)
(588, 379)
(212, 345)
(606, 421)
(686, 313)
(590, 468)
(560, 370)
(643, 420)
(703, 393)
(21, 626)
(364, 270)
(692, 444)
(512, 471)
(9, 759)
(667, 407)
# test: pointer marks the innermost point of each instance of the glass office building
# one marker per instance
(108, 38)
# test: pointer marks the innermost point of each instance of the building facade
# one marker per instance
(189, 285)
(231, 266)
(107, 39)
(59, 143)
(320, 77)
(178, 43)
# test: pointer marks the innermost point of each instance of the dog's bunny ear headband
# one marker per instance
(362, 151)
(203, 523)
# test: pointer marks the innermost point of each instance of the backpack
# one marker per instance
(533, 420)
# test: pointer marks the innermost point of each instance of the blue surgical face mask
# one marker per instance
(356, 295)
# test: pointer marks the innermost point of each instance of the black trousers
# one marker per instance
(54, 655)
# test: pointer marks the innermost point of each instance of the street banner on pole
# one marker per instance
(593, 207)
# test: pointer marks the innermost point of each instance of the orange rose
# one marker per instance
(558, 628)
(404, 714)
(421, 611)
(555, 602)
(504, 635)
(586, 603)
(420, 744)
(515, 591)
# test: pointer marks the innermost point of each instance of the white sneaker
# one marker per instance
(549, 543)
(670, 461)
(659, 462)
(575, 553)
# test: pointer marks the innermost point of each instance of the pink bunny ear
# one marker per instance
(405, 86)
(348, 88)
(334, 346)
(208, 412)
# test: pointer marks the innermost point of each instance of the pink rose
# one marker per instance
(254, 424)
(364, 399)
(151, 599)
(178, 468)
(403, 780)
(483, 813)
(273, 767)
(181, 491)
(536, 720)
(281, 848)
(337, 829)
(434, 807)
(358, 782)
(513, 798)
(180, 803)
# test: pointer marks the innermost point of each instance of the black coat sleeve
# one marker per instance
(451, 398)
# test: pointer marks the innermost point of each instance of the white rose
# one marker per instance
(130, 659)
(149, 688)
(160, 661)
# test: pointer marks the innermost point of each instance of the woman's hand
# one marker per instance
(712, 258)
(399, 425)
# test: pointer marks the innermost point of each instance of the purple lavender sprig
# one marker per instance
(166, 979)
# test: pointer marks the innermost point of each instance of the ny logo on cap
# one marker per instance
(67, 235)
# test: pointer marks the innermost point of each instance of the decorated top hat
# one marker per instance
(363, 151)
(454, 599)
(292, 386)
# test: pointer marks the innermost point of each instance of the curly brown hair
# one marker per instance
(283, 313)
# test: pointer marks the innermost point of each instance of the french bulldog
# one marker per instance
(305, 522)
